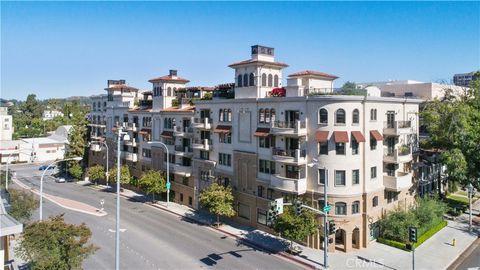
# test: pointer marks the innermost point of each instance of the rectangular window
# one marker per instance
(373, 144)
(266, 142)
(323, 148)
(266, 166)
(181, 197)
(261, 217)
(339, 178)
(321, 176)
(260, 191)
(340, 148)
(355, 208)
(373, 172)
(204, 155)
(355, 177)
(190, 200)
(224, 159)
(225, 138)
(269, 193)
(354, 145)
(340, 209)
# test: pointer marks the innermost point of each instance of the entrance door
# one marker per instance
(186, 124)
(291, 117)
(390, 145)
(390, 119)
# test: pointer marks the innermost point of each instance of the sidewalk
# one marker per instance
(436, 253)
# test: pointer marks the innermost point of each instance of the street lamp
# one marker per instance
(168, 168)
(126, 137)
(8, 162)
(106, 163)
(41, 180)
(470, 194)
(325, 213)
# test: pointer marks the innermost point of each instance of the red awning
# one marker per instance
(262, 132)
(340, 136)
(321, 136)
(376, 135)
(358, 136)
(167, 134)
(222, 129)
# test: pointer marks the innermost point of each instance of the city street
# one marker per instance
(151, 238)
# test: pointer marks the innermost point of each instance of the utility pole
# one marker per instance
(470, 193)
(325, 222)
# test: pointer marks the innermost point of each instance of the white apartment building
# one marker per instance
(6, 122)
(51, 114)
(270, 141)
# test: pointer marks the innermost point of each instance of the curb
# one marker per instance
(246, 241)
(465, 253)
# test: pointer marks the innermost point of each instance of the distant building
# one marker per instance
(51, 114)
(6, 122)
(464, 79)
(413, 89)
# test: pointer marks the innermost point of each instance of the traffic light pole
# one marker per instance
(325, 224)
(413, 257)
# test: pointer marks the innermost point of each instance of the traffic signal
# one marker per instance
(331, 227)
(298, 208)
(412, 234)
(272, 213)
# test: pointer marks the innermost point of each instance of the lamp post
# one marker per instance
(41, 180)
(106, 163)
(8, 162)
(168, 167)
(117, 227)
(470, 194)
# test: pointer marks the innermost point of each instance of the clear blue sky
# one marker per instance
(61, 49)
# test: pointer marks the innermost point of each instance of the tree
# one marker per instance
(153, 183)
(453, 125)
(350, 88)
(75, 170)
(296, 228)
(22, 205)
(124, 175)
(218, 200)
(54, 244)
(96, 173)
(32, 107)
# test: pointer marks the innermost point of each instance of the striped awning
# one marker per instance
(167, 134)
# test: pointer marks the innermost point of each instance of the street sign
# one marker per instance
(168, 185)
(326, 208)
(279, 202)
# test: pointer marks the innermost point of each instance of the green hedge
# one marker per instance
(421, 239)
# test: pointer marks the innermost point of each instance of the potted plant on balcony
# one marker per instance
(404, 149)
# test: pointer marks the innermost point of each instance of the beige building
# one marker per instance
(270, 140)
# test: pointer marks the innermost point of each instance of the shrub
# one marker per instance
(393, 243)
(424, 237)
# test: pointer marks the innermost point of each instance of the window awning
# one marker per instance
(167, 134)
(340, 136)
(262, 132)
(358, 136)
(376, 135)
(144, 131)
(222, 129)
(321, 136)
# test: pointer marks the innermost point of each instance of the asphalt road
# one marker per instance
(153, 239)
(472, 262)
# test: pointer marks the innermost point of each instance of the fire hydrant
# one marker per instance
(453, 242)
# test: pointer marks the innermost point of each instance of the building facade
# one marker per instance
(464, 79)
(267, 140)
(6, 123)
(51, 114)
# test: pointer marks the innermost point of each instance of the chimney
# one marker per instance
(173, 73)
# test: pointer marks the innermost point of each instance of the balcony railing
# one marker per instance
(288, 152)
(181, 148)
(288, 124)
(397, 127)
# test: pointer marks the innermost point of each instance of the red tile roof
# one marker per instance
(169, 78)
(175, 109)
(121, 86)
(254, 61)
(307, 73)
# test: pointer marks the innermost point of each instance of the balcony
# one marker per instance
(179, 131)
(298, 128)
(398, 181)
(398, 156)
(296, 156)
(180, 169)
(397, 128)
(205, 144)
(181, 150)
(131, 157)
(202, 123)
(132, 127)
(298, 186)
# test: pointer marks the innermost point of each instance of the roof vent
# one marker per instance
(173, 72)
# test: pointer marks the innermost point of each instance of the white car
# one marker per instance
(60, 180)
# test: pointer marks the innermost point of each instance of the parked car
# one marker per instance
(60, 180)
(44, 167)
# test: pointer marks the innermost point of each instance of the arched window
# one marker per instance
(323, 116)
(239, 81)
(275, 81)
(356, 207)
(270, 78)
(340, 116)
(375, 201)
(229, 115)
(220, 115)
(245, 80)
(174, 91)
(340, 208)
(355, 116)
(267, 116)
(169, 91)
(252, 80)
(261, 116)
(272, 115)
(264, 79)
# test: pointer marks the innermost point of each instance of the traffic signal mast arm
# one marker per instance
(308, 207)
